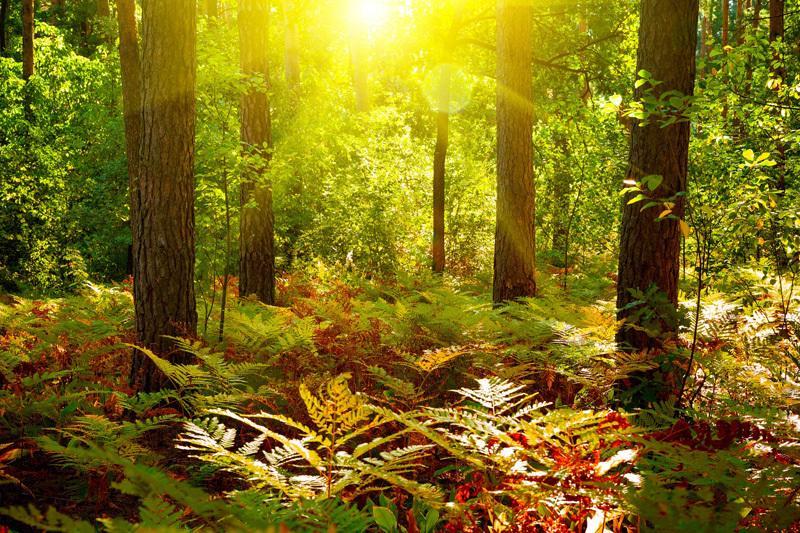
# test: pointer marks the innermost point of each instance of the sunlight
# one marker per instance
(371, 14)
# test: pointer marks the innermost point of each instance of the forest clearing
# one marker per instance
(399, 266)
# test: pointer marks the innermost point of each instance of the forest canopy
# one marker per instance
(399, 265)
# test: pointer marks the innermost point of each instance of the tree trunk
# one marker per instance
(211, 8)
(257, 242)
(131, 106)
(360, 72)
(164, 239)
(439, 167)
(739, 21)
(515, 240)
(777, 28)
(291, 45)
(649, 248)
(726, 22)
(27, 39)
(3, 20)
(103, 9)
(562, 188)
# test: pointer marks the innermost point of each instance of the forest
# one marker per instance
(401, 266)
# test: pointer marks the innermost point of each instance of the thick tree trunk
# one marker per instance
(291, 43)
(649, 248)
(256, 242)
(27, 39)
(3, 20)
(164, 239)
(131, 106)
(515, 241)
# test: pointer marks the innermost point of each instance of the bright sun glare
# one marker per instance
(371, 13)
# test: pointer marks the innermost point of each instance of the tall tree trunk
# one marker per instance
(164, 239)
(649, 248)
(515, 237)
(211, 8)
(739, 21)
(27, 39)
(131, 106)
(3, 20)
(726, 22)
(257, 241)
(291, 45)
(777, 28)
(360, 71)
(103, 9)
(439, 166)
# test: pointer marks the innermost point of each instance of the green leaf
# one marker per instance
(384, 518)
(749, 155)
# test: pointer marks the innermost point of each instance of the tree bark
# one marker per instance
(103, 9)
(649, 248)
(27, 39)
(515, 240)
(291, 45)
(739, 21)
(164, 238)
(256, 241)
(439, 168)
(3, 21)
(726, 22)
(131, 106)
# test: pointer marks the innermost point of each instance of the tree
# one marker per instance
(131, 105)
(291, 44)
(163, 236)
(257, 241)
(649, 246)
(439, 161)
(27, 39)
(515, 241)
(3, 20)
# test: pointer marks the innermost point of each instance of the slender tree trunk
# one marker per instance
(515, 238)
(257, 241)
(777, 29)
(27, 39)
(649, 248)
(360, 72)
(291, 45)
(562, 185)
(3, 21)
(103, 9)
(739, 21)
(164, 239)
(726, 22)
(439, 168)
(131, 107)
(211, 8)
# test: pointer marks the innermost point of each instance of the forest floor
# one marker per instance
(410, 405)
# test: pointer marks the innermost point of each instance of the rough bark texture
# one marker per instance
(256, 240)
(739, 21)
(27, 39)
(515, 242)
(3, 20)
(164, 239)
(291, 40)
(649, 249)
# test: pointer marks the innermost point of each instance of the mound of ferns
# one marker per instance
(336, 457)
